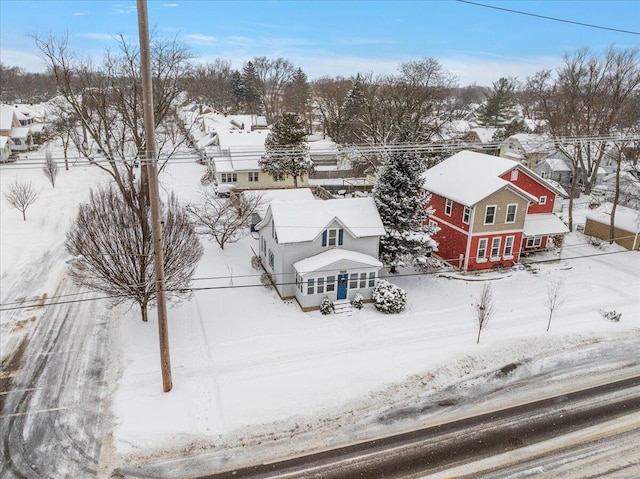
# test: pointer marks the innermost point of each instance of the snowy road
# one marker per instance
(52, 407)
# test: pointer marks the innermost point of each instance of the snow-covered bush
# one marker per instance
(207, 178)
(325, 305)
(256, 262)
(357, 301)
(388, 297)
(266, 281)
(612, 315)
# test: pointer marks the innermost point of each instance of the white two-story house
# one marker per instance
(315, 248)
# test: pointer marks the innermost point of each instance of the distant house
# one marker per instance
(481, 139)
(490, 210)
(316, 248)
(323, 151)
(559, 167)
(629, 185)
(5, 149)
(626, 227)
(526, 148)
(8, 120)
(21, 139)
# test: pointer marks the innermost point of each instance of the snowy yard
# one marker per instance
(249, 368)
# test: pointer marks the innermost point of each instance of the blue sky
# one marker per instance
(333, 37)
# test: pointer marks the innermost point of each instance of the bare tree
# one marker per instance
(329, 94)
(484, 308)
(590, 96)
(554, 299)
(116, 257)
(274, 75)
(225, 220)
(102, 107)
(50, 168)
(21, 194)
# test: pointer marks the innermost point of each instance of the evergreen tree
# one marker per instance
(287, 153)
(354, 104)
(250, 90)
(498, 109)
(404, 210)
(296, 93)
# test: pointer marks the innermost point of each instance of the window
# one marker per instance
(512, 209)
(534, 241)
(363, 280)
(433, 225)
(353, 281)
(228, 177)
(271, 259)
(320, 285)
(448, 207)
(543, 200)
(514, 175)
(490, 215)
(331, 283)
(466, 215)
(310, 286)
(332, 237)
(495, 248)
(372, 279)
(278, 177)
(273, 229)
(508, 247)
(482, 248)
(253, 176)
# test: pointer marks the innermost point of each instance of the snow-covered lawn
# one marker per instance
(248, 365)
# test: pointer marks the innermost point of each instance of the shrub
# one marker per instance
(265, 279)
(612, 315)
(326, 306)
(256, 262)
(207, 178)
(388, 297)
(357, 301)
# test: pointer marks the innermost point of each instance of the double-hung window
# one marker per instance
(490, 215)
(332, 237)
(466, 215)
(495, 248)
(448, 206)
(253, 176)
(271, 259)
(320, 285)
(512, 209)
(228, 177)
(534, 241)
(482, 249)
(508, 246)
(372, 279)
(514, 175)
(353, 281)
(311, 286)
(331, 284)
(543, 200)
(363, 280)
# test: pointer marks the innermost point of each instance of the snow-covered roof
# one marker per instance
(284, 194)
(299, 221)
(626, 218)
(485, 134)
(205, 141)
(532, 143)
(4, 141)
(20, 132)
(6, 117)
(544, 224)
(326, 259)
(557, 164)
(468, 177)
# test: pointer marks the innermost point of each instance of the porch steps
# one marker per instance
(343, 307)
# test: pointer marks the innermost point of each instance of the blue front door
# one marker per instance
(342, 286)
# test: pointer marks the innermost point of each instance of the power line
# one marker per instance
(210, 288)
(550, 18)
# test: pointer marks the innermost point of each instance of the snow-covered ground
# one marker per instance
(249, 369)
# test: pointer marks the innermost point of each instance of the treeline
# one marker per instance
(19, 86)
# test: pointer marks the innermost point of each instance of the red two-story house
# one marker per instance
(489, 210)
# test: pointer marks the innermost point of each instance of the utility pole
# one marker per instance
(154, 195)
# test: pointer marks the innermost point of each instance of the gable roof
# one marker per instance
(532, 143)
(468, 177)
(328, 258)
(300, 221)
(6, 117)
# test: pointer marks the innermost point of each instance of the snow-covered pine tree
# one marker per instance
(287, 153)
(403, 207)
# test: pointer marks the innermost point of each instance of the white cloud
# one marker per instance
(30, 61)
(95, 36)
(171, 5)
(80, 14)
(123, 9)
(201, 39)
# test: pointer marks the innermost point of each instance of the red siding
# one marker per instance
(457, 210)
(473, 252)
(451, 244)
(535, 188)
